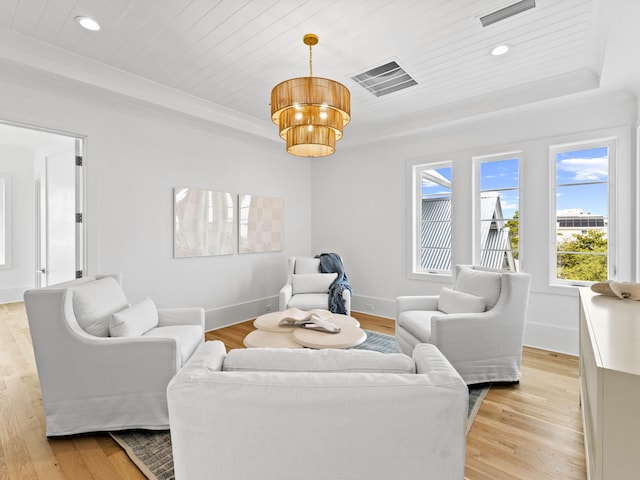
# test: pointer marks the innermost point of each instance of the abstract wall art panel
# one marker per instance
(260, 224)
(203, 223)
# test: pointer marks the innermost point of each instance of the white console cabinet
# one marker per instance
(610, 385)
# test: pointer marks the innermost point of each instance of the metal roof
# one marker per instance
(436, 234)
(435, 253)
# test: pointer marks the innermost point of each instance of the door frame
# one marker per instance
(81, 254)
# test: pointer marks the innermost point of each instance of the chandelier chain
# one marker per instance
(310, 60)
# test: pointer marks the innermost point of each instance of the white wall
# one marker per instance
(134, 158)
(18, 164)
(367, 220)
(357, 198)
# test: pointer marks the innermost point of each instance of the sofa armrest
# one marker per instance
(456, 335)
(106, 358)
(286, 293)
(432, 363)
(181, 316)
(417, 302)
(208, 358)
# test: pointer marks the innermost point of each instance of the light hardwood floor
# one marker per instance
(528, 431)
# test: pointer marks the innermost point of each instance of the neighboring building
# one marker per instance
(495, 239)
(496, 251)
(574, 222)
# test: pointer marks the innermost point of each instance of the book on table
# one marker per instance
(315, 319)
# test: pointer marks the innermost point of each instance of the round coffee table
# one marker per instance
(269, 334)
(263, 338)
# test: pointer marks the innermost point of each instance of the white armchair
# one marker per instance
(92, 381)
(478, 325)
(307, 288)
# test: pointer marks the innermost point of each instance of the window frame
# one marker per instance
(611, 143)
(478, 160)
(415, 268)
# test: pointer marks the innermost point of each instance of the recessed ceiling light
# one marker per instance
(500, 50)
(88, 23)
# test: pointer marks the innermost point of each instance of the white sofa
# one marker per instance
(478, 324)
(285, 414)
(93, 381)
(306, 288)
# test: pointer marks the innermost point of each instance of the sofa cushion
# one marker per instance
(312, 282)
(94, 303)
(135, 320)
(481, 283)
(307, 265)
(189, 337)
(306, 360)
(418, 323)
(309, 301)
(453, 301)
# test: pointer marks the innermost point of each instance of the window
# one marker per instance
(498, 212)
(581, 230)
(432, 224)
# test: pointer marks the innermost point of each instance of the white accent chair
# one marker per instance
(92, 381)
(478, 325)
(290, 414)
(307, 288)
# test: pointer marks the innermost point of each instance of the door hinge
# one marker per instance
(79, 218)
(78, 160)
(79, 273)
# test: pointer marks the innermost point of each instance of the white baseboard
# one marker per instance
(13, 294)
(381, 307)
(241, 312)
(549, 337)
(537, 335)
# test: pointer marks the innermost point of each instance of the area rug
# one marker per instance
(151, 450)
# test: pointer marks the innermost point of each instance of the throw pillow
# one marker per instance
(327, 360)
(453, 301)
(307, 265)
(135, 320)
(481, 283)
(94, 302)
(312, 282)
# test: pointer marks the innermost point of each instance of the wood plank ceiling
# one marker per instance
(231, 53)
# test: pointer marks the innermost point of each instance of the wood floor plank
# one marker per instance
(118, 458)
(530, 431)
(69, 460)
(94, 458)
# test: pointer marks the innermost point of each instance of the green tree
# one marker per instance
(514, 233)
(584, 257)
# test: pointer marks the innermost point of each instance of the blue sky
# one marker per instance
(500, 175)
(574, 168)
(574, 171)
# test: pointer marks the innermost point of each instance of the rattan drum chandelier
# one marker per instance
(310, 112)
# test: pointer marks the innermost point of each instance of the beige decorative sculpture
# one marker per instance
(622, 290)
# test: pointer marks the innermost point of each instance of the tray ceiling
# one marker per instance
(225, 56)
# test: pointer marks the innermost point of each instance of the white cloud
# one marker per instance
(585, 169)
(506, 205)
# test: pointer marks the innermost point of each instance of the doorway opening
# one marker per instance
(41, 209)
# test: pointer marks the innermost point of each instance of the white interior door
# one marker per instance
(59, 225)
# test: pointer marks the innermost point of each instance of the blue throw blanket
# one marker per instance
(332, 263)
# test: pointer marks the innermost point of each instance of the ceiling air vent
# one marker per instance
(506, 12)
(385, 79)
